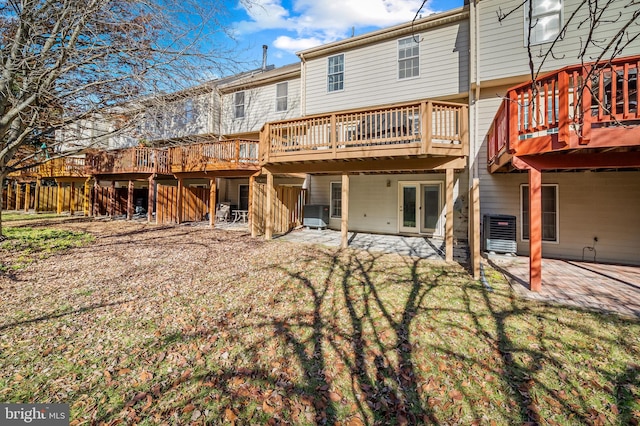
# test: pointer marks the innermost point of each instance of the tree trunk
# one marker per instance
(2, 237)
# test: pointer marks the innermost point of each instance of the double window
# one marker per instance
(408, 57)
(282, 92)
(546, 20)
(549, 212)
(238, 105)
(335, 73)
(336, 199)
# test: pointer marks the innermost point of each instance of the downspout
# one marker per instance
(303, 85)
(219, 111)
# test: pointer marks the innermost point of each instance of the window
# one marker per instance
(282, 91)
(238, 103)
(336, 199)
(408, 57)
(335, 73)
(549, 212)
(546, 20)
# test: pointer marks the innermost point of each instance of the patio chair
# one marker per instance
(222, 213)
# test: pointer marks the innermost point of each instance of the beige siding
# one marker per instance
(591, 204)
(502, 52)
(371, 72)
(373, 206)
(260, 108)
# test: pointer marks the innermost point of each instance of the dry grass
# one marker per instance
(179, 325)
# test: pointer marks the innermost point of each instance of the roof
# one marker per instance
(260, 77)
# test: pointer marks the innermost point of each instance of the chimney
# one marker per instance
(264, 57)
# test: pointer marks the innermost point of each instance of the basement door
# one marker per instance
(420, 208)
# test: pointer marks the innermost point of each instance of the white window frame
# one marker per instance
(408, 58)
(332, 199)
(237, 105)
(557, 224)
(284, 98)
(536, 17)
(329, 74)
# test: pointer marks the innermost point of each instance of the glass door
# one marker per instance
(431, 208)
(408, 207)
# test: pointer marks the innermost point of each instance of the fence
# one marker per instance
(195, 204)
(286, 208)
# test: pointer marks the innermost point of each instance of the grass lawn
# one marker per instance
(186, 325)
(13, 217)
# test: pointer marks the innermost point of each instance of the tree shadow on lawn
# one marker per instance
(396, 340)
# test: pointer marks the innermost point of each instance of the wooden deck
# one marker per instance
(230, 155)
(400, 131)
(590, 112)
(135, 160)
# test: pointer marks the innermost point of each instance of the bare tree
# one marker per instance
(70, 64)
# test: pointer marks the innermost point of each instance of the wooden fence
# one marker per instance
(103, 204)
(46, 198)
(286, 208)
(195, 204)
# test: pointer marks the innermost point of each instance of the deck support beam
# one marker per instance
(212, 202)
(268, 226)
(9, 194)
(112, 199)
(18, 195)
(36, 201)
(448, 223)
(27, 196)
(179, 215)
(59, 198)
(130, 188)
(86, 205)
(535, 229)
(344, 221)
(95, 209)
(252, 214)
(72, 199)
(474, 227)
(151, 198)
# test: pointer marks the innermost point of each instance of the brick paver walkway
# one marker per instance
(609, 288)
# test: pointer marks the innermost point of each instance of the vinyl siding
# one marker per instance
(502, 52)
(259, 108)
(371, 72)
(373, 207)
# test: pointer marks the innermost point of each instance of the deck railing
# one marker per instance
(414, 128)
(129, 160)
(570, 101)
(231, 154)
(63, 167)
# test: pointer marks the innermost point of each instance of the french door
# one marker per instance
(420, 208)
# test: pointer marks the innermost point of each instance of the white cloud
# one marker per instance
(316, 22)
(295, 44)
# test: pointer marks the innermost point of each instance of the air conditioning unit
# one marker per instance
(499, 233)
(315, 216)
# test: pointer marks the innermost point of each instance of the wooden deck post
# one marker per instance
(59, 198)
(254, 231)
(474, 227)
(151, 202)
(9, 194)
(212, 202)
(36, 201)
(344, 221)
(535, 229)
(268, 226)
(130, 200)
(18, 195)
(179, 201)
(448, 222)
(563, 107)
(86, 202)
(112, 199)
(96, 198)
(27, 196)
(72, 199)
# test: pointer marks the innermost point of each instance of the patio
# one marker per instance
(594, 286)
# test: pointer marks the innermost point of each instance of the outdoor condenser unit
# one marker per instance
(499, 233)
(316, 216)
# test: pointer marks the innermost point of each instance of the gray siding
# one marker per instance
(502, 52)
(260, 108)
(371, 72)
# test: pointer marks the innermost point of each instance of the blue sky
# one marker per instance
(288, 26)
